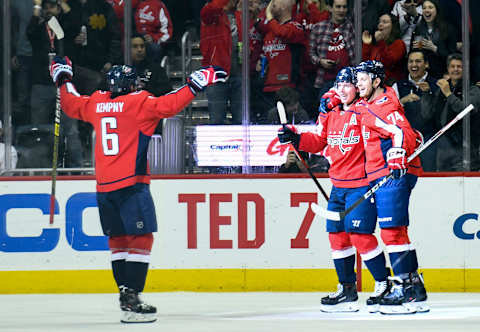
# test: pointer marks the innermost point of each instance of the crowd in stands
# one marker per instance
(296, 48)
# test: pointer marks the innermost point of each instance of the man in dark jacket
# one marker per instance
(419, 114)
(44, 46)
(446, 103)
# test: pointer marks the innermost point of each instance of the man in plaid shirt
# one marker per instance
(332, 45)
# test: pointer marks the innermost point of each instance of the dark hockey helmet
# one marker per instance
(373, 68)
(122, 79)
(347, 75)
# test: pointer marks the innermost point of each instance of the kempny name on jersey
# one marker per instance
(115, 107)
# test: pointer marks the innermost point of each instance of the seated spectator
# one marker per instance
(410, 92)
(409, 13)
(153, 21)
(332, 46)
(13, 152)
(386, 47)
(293, 164)
(220, 35)
(445, 104)
(153, 77)
(295, 112)
(435, 36)
(317, 163)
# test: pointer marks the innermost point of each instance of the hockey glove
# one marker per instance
(329, 101)
(200, 79)
(61, 70)
(397, 162)
(288, 134)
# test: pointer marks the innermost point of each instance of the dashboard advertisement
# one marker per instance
(225, 223)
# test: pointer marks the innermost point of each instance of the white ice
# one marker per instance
(228, 312)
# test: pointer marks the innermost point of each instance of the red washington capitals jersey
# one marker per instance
(123, 127)
(339, 135)
(384, 125)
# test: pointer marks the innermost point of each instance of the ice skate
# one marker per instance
(394, 302)
(417, 295)
(373, 302)
(343, 300)
(134, 310)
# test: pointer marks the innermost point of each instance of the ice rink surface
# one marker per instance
(226, 312)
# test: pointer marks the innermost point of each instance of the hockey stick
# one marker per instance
(283, 121)
(337, 216)
(57, 29)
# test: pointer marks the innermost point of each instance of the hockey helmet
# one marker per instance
(373, 68)
(346, 75)
(120, 79)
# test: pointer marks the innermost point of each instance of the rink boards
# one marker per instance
(224, 234)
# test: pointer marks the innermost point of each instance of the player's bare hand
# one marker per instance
(367, 37)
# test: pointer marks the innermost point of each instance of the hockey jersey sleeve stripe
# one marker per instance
(394, 131)
(119, 180)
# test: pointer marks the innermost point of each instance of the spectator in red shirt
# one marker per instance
(153, 21)
(388, 47)
(220, 44)
(283, 45)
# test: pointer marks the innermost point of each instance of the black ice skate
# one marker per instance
(381, 289)
(394, 302)
(133, 309)
(417, 294)
(343, 300)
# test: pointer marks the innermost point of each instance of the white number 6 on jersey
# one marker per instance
(109, 140)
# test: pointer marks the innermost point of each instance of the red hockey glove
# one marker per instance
(329, 101)
(397, 162)
(61, 70)
(288, 134)
(200, 79)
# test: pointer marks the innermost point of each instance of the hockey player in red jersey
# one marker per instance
(124, 121)
(339, 135)
(389, 140)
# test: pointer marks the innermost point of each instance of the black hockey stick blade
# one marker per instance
(283, 120)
